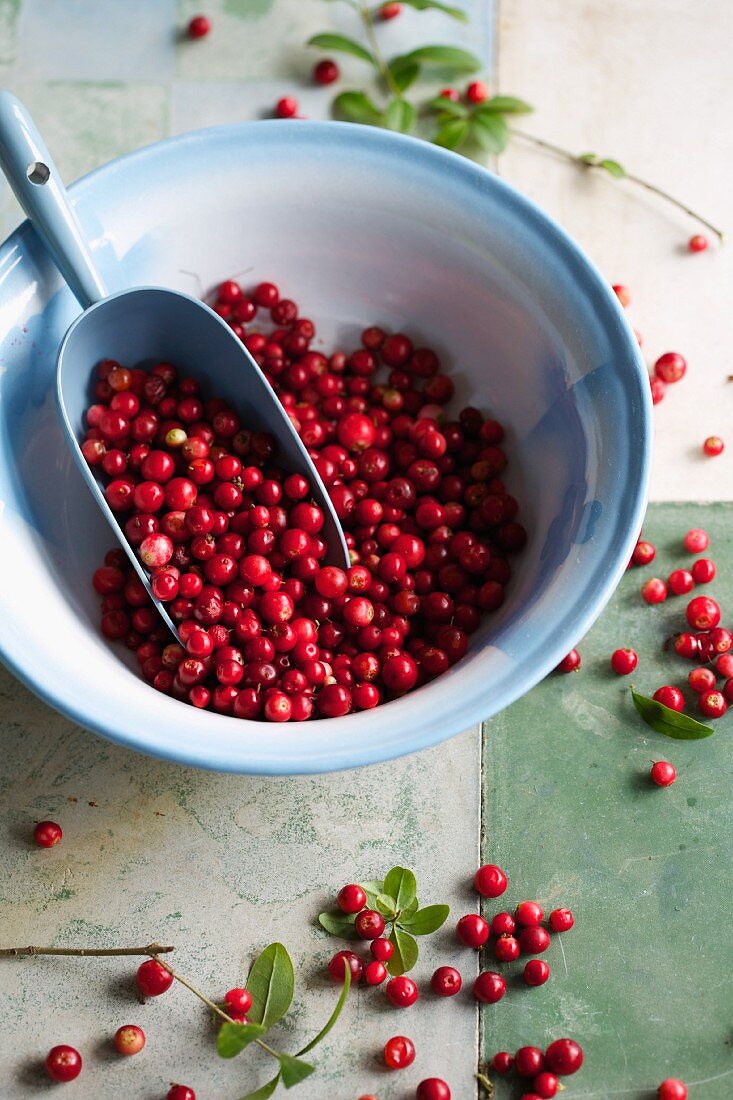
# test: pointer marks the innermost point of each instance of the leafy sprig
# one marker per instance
(396, 899)
(271, 982)
(464, 128)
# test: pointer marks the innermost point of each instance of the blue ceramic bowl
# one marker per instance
(360, 226)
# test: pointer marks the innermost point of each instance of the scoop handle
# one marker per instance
(35, 181)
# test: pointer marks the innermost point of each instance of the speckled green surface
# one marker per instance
(644, 979)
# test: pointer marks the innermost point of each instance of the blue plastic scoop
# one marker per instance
(132, 326)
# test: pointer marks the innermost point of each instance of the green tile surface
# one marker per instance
(643, 981)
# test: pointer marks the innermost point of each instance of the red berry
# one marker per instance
(702, 679)
(238, 999)
(476, 92)
(529, 913)
(63, 1063)
(390, 11)
(529, 1061)
(129, 1039)
(450, 93)
(47, 833)
(672, 1089)
(153, 979)
(326, 72)
(698, 243)
(536, 972)
(654, 590)
(713, 446)
(724, 665)
(571, 663)
(561, 920)
(199, 27)
(432, 1088)
(670, 367)
(399, 1052)
(622, 293)
(287, 107)
(564, 1057)
(696, 541)
(503, 924)
(663, 773)
(446, 981)
(506, 949)
(623, 661)
(402, 991)
(180, 1092)
(341, 960)
(703, 613)
(490, 881)
(643, 553)
(502, 1062)
(369, 924)
(681, 581)
(671, 697)
(703, 571)
(374, 972)
(472, 930)
(658, 389)
(489, 987)
(533, 941)
(687, 645)
(381, 949)
(712, 704)
(546, 1085)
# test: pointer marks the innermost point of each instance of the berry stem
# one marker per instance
(368, 22)
(485, 1084)
(651, 187)
(152, 950)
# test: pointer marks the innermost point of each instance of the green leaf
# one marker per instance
(505, 105)
(452, 133)
(372, 889)
(342, 44)
(613, 168)
(405, 952)
(293, 1071)
(490, 131)
(400, 116)
(233, 1038)
(588, 158)
(334, 1015)
(271, 982)
(411, 909)
(357, 107)
(447, 57)
(425, 5)
(667, 721)
(426, 920)
(386, 905)
(340, 924)
(448, 107)
(404, 72)
(401, 885)
(264, 1092)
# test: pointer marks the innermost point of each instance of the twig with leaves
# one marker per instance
(468, 128)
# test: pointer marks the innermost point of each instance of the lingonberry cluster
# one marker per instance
(508, 936)
(562, 1058)
(233, 546)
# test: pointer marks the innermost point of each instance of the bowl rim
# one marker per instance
(359, 751)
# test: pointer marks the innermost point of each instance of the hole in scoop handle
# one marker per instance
(35, 181)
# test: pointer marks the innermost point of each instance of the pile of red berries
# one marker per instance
(562, 1058)
(233, 545)
(509, 935)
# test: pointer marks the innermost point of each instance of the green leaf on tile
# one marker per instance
(340, 924)
(490, 131)
(341, 44)
(404, 72)
(386, 905)
(357, 107)
(435, 5)
(405, 952)
(453, 133)
(667, 721)
(271, 981)
(506, 105)
(294, 1070)
(447, 57)
(400, 116)
(233, 1038)
(264, 1091)
(425, 920)
(400, 884)
(334, 1015)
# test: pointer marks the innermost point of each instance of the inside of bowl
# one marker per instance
(359, 229)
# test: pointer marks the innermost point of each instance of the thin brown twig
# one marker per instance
(651, 187)
(152, 949)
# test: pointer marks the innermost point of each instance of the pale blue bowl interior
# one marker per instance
(360, 226)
